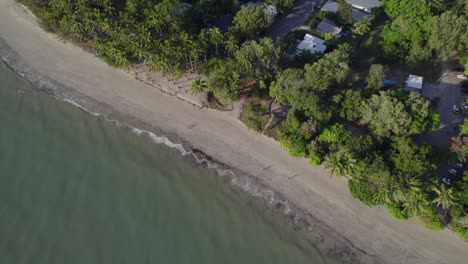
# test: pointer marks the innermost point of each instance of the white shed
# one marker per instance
(414, 82)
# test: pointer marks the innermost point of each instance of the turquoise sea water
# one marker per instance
(78, 189)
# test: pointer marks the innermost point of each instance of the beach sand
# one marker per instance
(371, 233)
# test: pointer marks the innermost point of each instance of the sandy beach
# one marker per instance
(371, 234)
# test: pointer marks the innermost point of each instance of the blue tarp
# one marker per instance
(388, 82)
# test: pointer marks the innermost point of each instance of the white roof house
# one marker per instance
(414, 82)
(330, 6)
(312, 43)
(365, 5)
(327, 26)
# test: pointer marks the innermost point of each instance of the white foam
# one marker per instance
(245, 183)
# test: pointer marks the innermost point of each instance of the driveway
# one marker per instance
(296, 18)
(447, 93)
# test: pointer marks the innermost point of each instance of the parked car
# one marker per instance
(462, 76)
(453, 172)
(446, 180)
(458, 165)
(456, 109)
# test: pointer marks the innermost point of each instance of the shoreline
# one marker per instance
(331, 210)
(300, 219)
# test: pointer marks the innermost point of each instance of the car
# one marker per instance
(462, 76)
(456, 164)
(446, 180)
(453, 172)
(456, 109)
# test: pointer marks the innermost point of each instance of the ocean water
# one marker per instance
(78, 189)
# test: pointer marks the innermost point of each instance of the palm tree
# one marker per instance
(216, 37)
(362, 26)
(231, 44)
(198, 86)
(340, 163)
(444, 198)
(415, 204)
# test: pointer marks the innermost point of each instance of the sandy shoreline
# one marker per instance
(68, 72)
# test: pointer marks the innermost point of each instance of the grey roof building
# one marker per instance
(358, 15)
(327, 26)
(330, 6)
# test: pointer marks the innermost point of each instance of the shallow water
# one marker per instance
(78, 189)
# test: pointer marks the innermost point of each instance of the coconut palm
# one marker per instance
(415, 203)
(340, 163)
(444, 197)
(362, 26)
(216, 37)
(198, 86)
(406, 187)
(231, 44)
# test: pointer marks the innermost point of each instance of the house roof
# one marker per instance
(358, 15)
(330, 6)
(224, 22)
(312, 43)
(415, 81)
(365, 5)
(327, 26)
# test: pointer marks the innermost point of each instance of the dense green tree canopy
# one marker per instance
(448, 34)
(258, 60)
(250, 20)
(329, 71)
(254, 61)
(377, 73)
(405, 38)
(406, 113)
(410, 159)
(290, 88)
(386, 115)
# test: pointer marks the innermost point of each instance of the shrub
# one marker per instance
(254, 116)
(360, 190)
(315, 156)
(336, 136)
(461, 231)
(294, 143)
(396, 211)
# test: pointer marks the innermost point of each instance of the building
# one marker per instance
(311, 43)
(327, 26)
(365, 5)
(330, 6)
(358, 15)
(414, 83)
